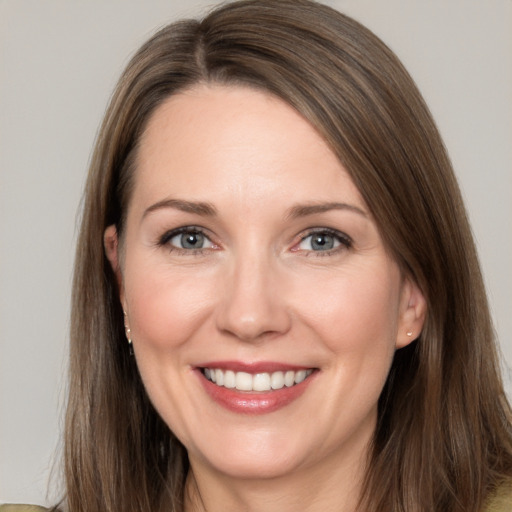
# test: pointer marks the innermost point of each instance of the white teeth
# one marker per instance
(261, 382)
(289, 379)
(299, 376)
(244, 381)
(229, 379)
(277, 380)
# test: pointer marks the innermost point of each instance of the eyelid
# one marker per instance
(163, 239)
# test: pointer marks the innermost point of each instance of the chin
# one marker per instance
(256, 457)
(261, 468)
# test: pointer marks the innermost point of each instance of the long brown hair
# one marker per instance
(443, 438)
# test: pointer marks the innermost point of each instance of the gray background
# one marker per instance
(59, 61)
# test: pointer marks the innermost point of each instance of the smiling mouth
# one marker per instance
(243, 381)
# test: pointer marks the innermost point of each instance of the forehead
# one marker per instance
(213, 138)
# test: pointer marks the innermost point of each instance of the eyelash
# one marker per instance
(345, 242)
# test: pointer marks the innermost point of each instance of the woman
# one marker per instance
(277, 301)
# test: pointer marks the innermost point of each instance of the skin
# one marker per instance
(259, 291)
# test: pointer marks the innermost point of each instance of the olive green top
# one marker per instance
(501, 501)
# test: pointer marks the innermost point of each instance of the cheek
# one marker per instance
(356, 317)
(165, 306)
(358, 326)
(166, 311)
(361, 308)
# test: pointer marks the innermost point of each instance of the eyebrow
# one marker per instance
(208, 210)
(199, 208)
(303, 210)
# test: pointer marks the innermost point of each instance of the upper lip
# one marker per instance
(253, 367)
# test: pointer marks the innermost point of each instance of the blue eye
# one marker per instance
(323, 241)
(187, 239)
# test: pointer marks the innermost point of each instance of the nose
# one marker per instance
(252, 305)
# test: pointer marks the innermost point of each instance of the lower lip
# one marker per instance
(246, 402)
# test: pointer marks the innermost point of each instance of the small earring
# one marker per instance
(409, 333)
(127, 329)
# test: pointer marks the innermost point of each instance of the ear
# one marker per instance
(111, 244)
(413, 310)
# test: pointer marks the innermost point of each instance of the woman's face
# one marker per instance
(250, 258)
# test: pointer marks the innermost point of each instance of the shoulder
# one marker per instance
(501, 499)
(21, 508)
